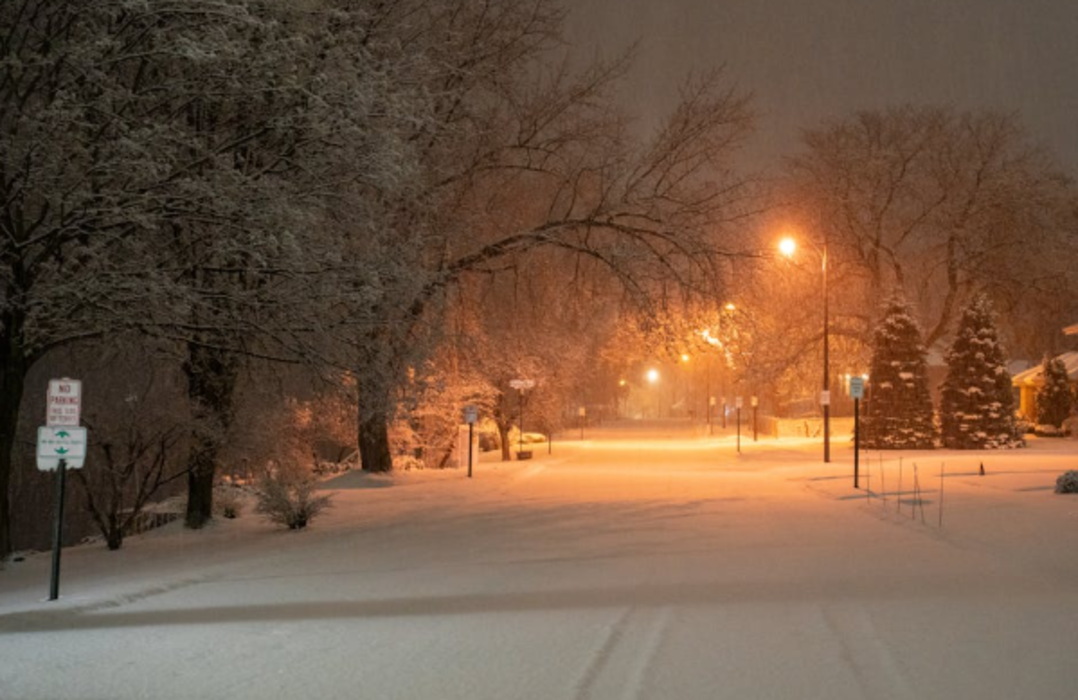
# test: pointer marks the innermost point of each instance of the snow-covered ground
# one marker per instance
(629, 565)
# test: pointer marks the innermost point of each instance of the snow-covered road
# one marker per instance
(629, 565)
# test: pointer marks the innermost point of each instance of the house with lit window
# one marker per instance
(1028, 383)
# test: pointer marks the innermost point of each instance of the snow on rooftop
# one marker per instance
(1035, 375)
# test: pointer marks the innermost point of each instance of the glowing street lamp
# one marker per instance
(652, 376)
(787, 246)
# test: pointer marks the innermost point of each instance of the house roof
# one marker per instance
(1034, 376)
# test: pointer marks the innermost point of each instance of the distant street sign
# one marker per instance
(857, 388)
(63, 402)
(66, 443)
(471, 414)
(582, 411)
(825, 398)
(522, 384)
(755, 402)
(738, 402)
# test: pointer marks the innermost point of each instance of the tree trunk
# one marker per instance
(503, 434)
(200, 486)
(374, 450)
(114, 538)
(13, 369)
(211, 381)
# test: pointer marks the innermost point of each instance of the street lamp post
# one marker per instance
(825, 397)
(787, 247)
(521, 385)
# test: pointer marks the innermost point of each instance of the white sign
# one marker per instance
(63, 402)
(522, 384)
(582, 412)
(857, 388)
(471, 414)
(711, 401)
(738, 403)
(54, 444)
(825, 398)
(755, 402)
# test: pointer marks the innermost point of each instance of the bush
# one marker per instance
(1067, 482)
(228, 501)
(286, 496)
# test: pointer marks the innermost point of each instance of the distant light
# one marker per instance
(684, 358)
(621, 382)
(787, 246)
(730, 306)
(653, 376)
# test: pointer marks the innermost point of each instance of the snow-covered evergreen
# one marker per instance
(977, 403)
(898, 407)
(1054, 399)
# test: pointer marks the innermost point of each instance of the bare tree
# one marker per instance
(509, 125)
(934, 202)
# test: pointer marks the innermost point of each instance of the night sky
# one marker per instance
(808, 60)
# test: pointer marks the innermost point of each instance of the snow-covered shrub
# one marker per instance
(286, 495)
(1023, 426)
(1054, 399)
(228, 501)
(1048, 430)
(406, 462)
(1067, 482)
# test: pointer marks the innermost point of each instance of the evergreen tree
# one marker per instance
(898, 408)
(977, 403)
(1054, 399)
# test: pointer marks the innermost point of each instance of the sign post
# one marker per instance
(471, 415)
(857, 392)
(522, 385)
(58, 531)
(61, 444)
(755, 406)
(738, 403)
(58, 449)
(582, 412)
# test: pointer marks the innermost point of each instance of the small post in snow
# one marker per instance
(471, 415)
(857, 392)
(58, 531)
(755, 406)
(942, 467)
(738, 403)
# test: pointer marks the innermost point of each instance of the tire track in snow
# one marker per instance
(622, 664)
(878, 673)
